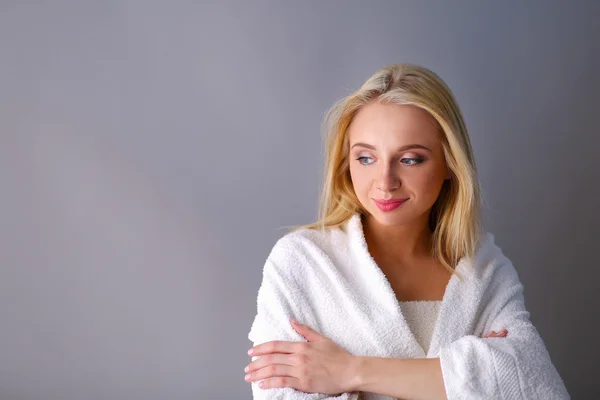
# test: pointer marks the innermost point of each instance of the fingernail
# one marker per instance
(250, 352)
(246, 369)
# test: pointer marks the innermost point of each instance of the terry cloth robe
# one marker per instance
(329, 281)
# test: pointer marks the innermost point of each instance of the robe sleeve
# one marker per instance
(280, 298)
(517, 366)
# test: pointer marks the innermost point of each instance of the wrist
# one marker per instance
(356, 373)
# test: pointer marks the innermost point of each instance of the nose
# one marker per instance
(387, 181)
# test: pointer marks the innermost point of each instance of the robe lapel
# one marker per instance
(456, 313)
(399, 339)
(460, 310)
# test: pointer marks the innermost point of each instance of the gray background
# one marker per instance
(152, 152)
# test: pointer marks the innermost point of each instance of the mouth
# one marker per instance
(390, 204)
(389, 201)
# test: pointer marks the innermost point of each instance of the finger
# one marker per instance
(271, 371)
(502, 333)
(281, 382)
(275, 346)
(306, 331)
(269, 359)
(491, 334)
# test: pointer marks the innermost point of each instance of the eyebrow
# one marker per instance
(403, 148)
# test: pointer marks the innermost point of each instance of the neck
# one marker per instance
(398, 244)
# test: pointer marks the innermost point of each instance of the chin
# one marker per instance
(390, 218)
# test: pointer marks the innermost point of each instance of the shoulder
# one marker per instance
(305, 251)
(306, 243)
(491, 266)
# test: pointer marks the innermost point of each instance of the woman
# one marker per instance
(397, 290)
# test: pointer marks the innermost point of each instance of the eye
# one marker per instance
(412, 161)
(362, 160)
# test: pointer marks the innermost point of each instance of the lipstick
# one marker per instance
(389, 205)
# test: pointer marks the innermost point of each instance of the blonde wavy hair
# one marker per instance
(455, 216)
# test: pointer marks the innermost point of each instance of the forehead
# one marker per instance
(393, 122)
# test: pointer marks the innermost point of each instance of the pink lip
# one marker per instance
(389, 205)
(389, 201)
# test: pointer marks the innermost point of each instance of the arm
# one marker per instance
(405, 378)
(279, 300)
(517, 366)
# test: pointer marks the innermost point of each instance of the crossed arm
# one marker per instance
(400, 378)
(517, 366)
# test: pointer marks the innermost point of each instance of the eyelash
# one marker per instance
(417, 161)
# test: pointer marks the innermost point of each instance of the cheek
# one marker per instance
(426, 182)
(360, 179)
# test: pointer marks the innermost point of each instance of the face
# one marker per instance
(396, 153)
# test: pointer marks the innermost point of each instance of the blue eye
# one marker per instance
(361, 159)
(406, 161)
(412, 161)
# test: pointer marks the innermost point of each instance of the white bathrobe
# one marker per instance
(330, 282)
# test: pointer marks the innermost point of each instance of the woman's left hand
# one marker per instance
(316, 366)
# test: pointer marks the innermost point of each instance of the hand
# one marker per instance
(316, 366)
(502, 333)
